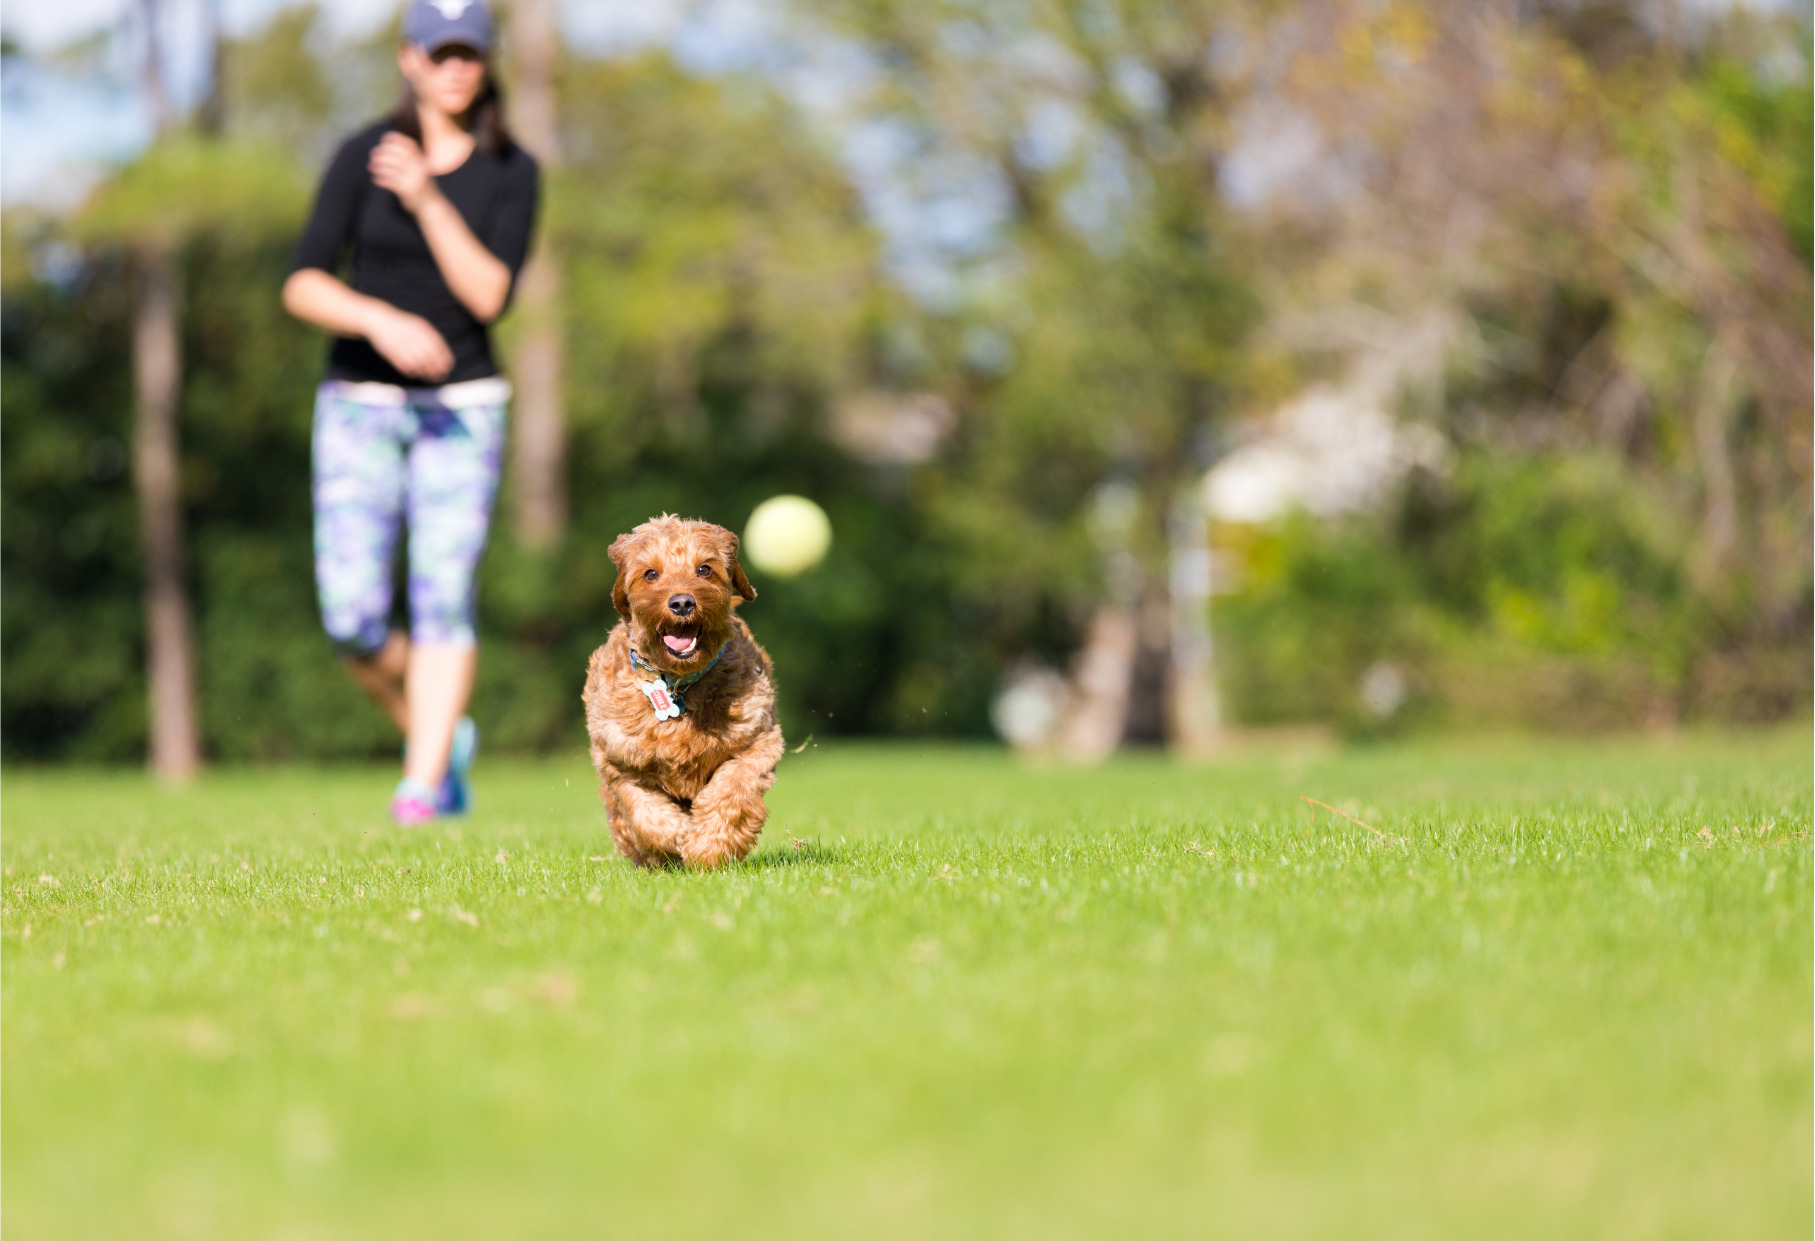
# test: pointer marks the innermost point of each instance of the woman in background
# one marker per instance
(436, 206)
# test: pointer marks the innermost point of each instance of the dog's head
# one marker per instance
(678, 582)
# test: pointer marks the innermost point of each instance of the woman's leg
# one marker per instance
(440, 685)
(382, 675)
(453, 467)
(359, 481)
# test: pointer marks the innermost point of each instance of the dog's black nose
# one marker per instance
(681, 605)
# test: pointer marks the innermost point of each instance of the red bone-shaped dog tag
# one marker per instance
(661, 699)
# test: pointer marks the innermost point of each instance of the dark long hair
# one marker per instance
(490, 135)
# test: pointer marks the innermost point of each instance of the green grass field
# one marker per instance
(949, 996)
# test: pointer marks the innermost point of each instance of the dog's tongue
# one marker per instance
(679, 644)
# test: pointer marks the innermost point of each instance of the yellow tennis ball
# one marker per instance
(787, 535)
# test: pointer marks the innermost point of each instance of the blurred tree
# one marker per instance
(273, 88)
(539, 477)
(182, 186)
(1605, 212)
(176, 740)
(1605, 208)
(210, 114)
(152, 209)
(73, 597)
(1108, 315)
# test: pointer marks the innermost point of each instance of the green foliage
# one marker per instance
(1119, 361)
(1563, 554)
(693, 212)
(1320, 607)
(1766, 128)
(186, 185)
(69, 606)
(976, 1000)
(1548, 591)
(276, 88)
(73, 627)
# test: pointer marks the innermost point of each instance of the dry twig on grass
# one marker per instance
(1778, 840)
(1351, 818)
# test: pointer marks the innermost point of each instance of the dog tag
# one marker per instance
(661, 699)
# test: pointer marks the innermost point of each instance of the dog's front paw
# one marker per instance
(656, 861)
(705, 854)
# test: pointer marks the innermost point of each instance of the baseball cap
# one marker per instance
(433, 24)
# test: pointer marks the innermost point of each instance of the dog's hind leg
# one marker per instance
(647, 825)
(729, 812)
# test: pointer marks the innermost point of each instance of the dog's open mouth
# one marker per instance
(682, 642)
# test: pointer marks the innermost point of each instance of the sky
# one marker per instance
(60, 126)
(63, 122)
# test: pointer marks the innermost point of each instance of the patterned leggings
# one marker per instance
(385, 456)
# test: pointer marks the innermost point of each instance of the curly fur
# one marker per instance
(688, 789)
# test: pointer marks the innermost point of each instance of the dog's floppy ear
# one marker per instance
(619, 551)
(739, 582)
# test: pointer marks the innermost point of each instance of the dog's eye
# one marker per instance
(705, 570)
(649, 575)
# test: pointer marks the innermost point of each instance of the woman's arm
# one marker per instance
(477, 276)
(314, 295)
(408, 342)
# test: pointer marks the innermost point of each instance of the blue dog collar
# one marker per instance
(666, 700)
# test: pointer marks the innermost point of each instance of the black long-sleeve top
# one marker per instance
(495, 194)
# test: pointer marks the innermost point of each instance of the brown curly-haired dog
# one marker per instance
(686, 743)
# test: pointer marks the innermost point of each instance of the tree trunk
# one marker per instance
(1714, 456)
(152, 77)
(176, 750)
(211, 113)
(539, 480)
(157, 363)
(1100, 683)
(1196, 714)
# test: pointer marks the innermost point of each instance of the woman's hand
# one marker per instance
(408, 342)
(411, 344)
(472, 272)
(398, 165)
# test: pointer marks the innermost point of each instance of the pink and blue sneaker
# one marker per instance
(412, 804)
(416, 803)
(456, 793)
